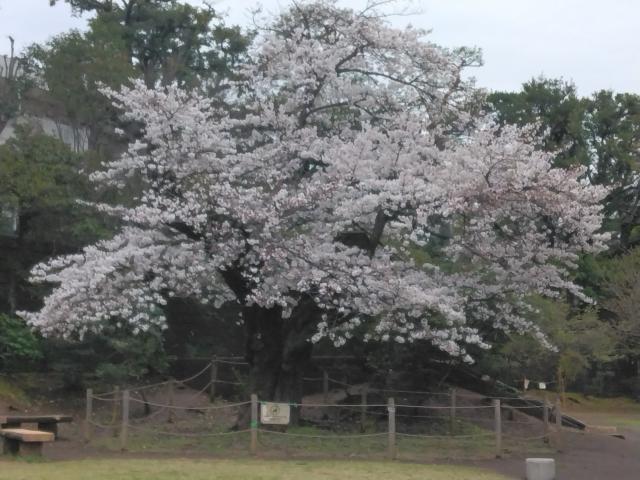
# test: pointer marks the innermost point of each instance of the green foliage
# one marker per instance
(554, 105)
(40, 182)
(115, 357)
(74, 65)
(169, 40)
(621, 287)
(580, 340)
(19, 348)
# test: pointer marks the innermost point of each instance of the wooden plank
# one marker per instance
(35, 418)
(27, 435)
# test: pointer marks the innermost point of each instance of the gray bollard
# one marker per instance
(541, 469)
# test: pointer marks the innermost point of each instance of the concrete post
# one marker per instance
(541, 469)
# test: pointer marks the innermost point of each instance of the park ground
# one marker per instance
(584, 456)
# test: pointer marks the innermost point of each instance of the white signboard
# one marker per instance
(275, 413)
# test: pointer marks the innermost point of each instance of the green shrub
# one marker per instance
(19, 347)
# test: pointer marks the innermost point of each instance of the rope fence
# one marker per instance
(428, 421)
(383, 429)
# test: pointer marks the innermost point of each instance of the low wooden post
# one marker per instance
(254, 424)
(88, 428)
(545, 418)
(115, 413)
(214, 378)
(452, 413)
(171, 399)
(124, 430)
(391, 409)
(497, 426)
(558, 425)
(363, 408)
(325, 386)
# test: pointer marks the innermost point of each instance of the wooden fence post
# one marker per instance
(88, 428)
(558, 425)
(391, 409)
(214, 378)
(497, 426)
(452, 412)
(254, 424)
(115, 411)
(125, 420)
(363, 408)
(325, 387)
(545, 418)
(171, 399)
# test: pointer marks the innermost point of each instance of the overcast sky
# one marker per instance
(595, 43)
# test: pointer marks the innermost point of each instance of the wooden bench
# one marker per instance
(46, 423)
(19, 441)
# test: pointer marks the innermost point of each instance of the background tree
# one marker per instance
(554, 106)
(169, 40)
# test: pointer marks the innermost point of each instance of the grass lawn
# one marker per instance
(234, 470)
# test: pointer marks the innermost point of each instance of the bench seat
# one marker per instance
(20, 441)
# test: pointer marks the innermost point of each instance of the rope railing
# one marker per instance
(189, 434)
(342, 428)
(179, 407)
(323, 437)
(469, 435)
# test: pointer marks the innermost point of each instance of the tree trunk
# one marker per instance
(278, 350)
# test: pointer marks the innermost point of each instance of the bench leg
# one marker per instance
(33, 449)
(10, 446)
(49, 427)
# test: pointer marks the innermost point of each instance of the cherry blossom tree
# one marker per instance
(348, 150)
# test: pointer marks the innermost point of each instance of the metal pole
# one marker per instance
(497, 426)
(88, 429)
(391, 409)
(125, 420)
(254, 424)
(214, 378)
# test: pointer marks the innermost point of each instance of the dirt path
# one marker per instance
(588, 456)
